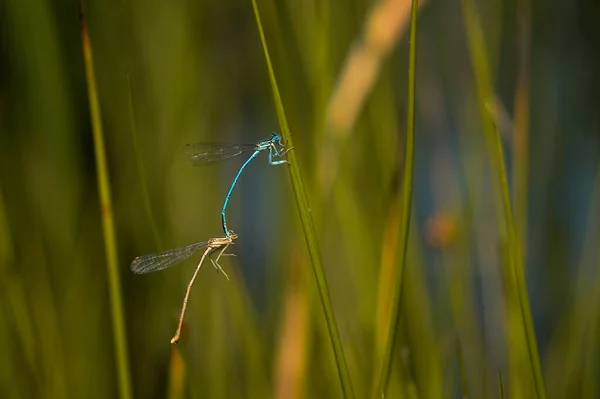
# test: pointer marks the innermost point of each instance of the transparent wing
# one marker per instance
(207, 153)
(154, 262)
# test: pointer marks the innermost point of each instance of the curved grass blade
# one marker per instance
(406, 199)
(515, 263)
(159, 261)
(307, 222)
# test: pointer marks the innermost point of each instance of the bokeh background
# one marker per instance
(198, 73)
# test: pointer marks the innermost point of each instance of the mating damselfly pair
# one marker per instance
(204, 154)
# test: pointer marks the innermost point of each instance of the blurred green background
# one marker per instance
(198, 73)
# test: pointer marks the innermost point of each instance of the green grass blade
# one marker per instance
(515, 260)
(406, 198)
(108, 226)
(307, 223)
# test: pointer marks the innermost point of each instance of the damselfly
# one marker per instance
(205, 153)
(154, 262)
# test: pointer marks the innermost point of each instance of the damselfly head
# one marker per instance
(275, 137)
(233, 235)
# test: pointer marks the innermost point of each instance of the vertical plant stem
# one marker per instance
(307, 224)
(406, 198)
(516, 273)
(108, 227)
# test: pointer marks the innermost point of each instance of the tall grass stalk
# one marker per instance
(108, 226)
(406, 199)
(307, 223)
(515, 272)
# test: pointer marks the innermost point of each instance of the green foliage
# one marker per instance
(335, 291)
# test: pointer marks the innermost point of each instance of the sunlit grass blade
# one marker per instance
(418, 326)
(406, 199)
(383, 27)
(515, 273)
(108, 226)
(385, 287)
(293, 349)
(307, 222)
(176, 386)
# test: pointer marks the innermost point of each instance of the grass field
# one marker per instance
(436, 233)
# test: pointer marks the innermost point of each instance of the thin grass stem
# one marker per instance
(406, 199)
(307, 223)
(108, 226)
(516, 273)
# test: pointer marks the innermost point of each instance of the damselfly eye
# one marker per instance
(275, 137)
